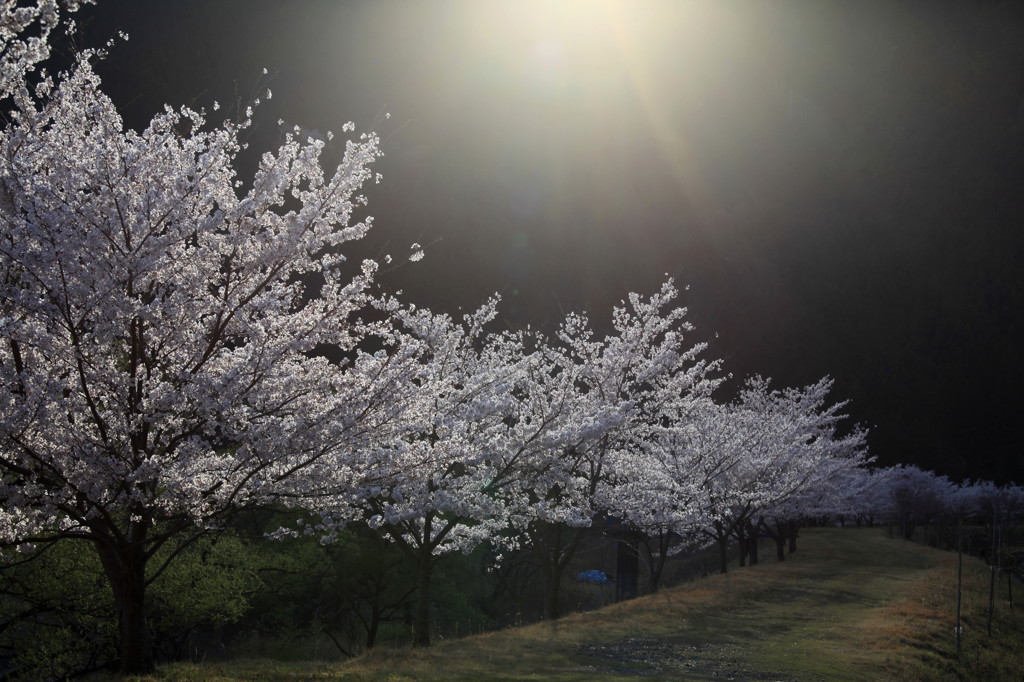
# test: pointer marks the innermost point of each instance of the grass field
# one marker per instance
(851, 604)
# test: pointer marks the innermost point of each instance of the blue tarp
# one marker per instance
(599, 577)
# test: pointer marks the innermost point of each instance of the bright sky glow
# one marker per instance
(586, 67)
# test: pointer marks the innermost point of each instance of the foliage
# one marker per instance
(156, 313)
(59, 616)
(56, 614)
(210, 585)
(347, 591)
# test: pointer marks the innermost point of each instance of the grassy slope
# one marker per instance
(849, 605)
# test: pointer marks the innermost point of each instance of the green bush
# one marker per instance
(56, 613)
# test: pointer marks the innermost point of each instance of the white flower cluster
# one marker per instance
(158, 365)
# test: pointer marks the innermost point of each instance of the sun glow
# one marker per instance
(589, 65)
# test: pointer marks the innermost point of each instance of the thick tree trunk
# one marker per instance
(376, 613)
(778, 531)
(751, 534)
(371, 633)
(125, 567)
(556, 566)
(656, 577)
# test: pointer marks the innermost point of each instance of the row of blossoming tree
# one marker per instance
(921, 504)
(164, 324)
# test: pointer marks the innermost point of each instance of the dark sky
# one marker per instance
(840, 182)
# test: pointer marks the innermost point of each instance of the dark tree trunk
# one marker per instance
(777, 531)
(792, 538)
(959, 583)
(420, 552)
(552, 594)
(1009, 587)
(722, 538)
(906, 527)
(553, 570)
(554, 546)
(125, 567)
(421, 621)
(741, 544)
(548, 548)
(751, 534)
(993, 560)
(558, 560)
(376, 612)
(421, 618)
(627, 570)
(657, 563)
(371, 633)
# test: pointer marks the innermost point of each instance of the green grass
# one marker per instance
(851, 604)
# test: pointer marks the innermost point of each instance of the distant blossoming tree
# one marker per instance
(157, 363)
(779, 445)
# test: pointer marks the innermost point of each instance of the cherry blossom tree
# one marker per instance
(688, 470)
(439, 466)
(915, 497)
(648, 372)
(778, 444)
(557, 481)
(660, 490)
(482, 417)
(826, 471)
(836, 493)
(157, 365)
(870, 502)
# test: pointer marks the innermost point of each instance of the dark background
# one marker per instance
(839, 182)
